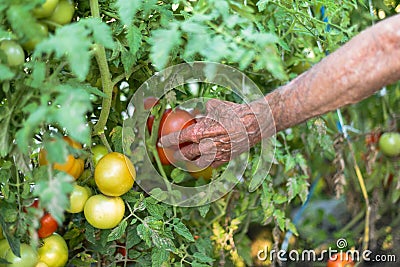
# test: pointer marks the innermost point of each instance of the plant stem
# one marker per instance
(101, 59)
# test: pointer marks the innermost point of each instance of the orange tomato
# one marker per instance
(73, 166)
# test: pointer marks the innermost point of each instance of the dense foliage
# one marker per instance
(74, 74)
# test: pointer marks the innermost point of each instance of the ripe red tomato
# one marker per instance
(114, 174)
(48, 225)
(172, 121)
(150, 102)
(54, 251)
(340, 260)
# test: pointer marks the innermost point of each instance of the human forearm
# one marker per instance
(353, 72)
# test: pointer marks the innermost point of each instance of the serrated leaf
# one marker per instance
(154, 209)
(199, 264)
(132, 237)
(72, 103)
(158, 257)
(73, 42)
(144, 233)
(203, 210)
(127, 10)
(163, 42)
(134, 38)
(182, 230)
(202, 257)
(101, 32)
(128, 60)
(53, 194)
(118, 231)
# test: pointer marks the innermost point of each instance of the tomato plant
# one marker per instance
(14, 54)
(104, 212)
(114, 174)
(54, 251)
(85, 60)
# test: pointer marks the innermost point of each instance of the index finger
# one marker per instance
(189, 134)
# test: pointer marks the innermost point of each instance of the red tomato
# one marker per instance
(150, 102)
(340, 260)
(48, 225)
(172, 121)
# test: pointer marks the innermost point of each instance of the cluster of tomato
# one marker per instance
(52, 253)
(49, 14)
(174, 121)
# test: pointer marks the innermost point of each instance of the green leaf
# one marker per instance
(163, 42)
(73, 103)
(5, 144)
(73, 42)
(134, 38)
(127, 10)
(156, 210)
(5, 73)
(132, 237)
(118, 231)
(53, 194)
(178, 175)
(145, 234)
(202, 257)
(203, 210)
(101, 32)
(198, 264)
(159, 257)
(182, 230)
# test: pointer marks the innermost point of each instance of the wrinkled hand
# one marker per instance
(227, 130)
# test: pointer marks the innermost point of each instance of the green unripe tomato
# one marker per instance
(104, 212)
(78, 198)
(46, 9)
(99, 151)
(14, 53)
(54, 251)
(389, 144)
(28, 257)
(31, 44)
(63, 12)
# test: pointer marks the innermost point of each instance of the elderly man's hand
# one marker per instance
(227, 130)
